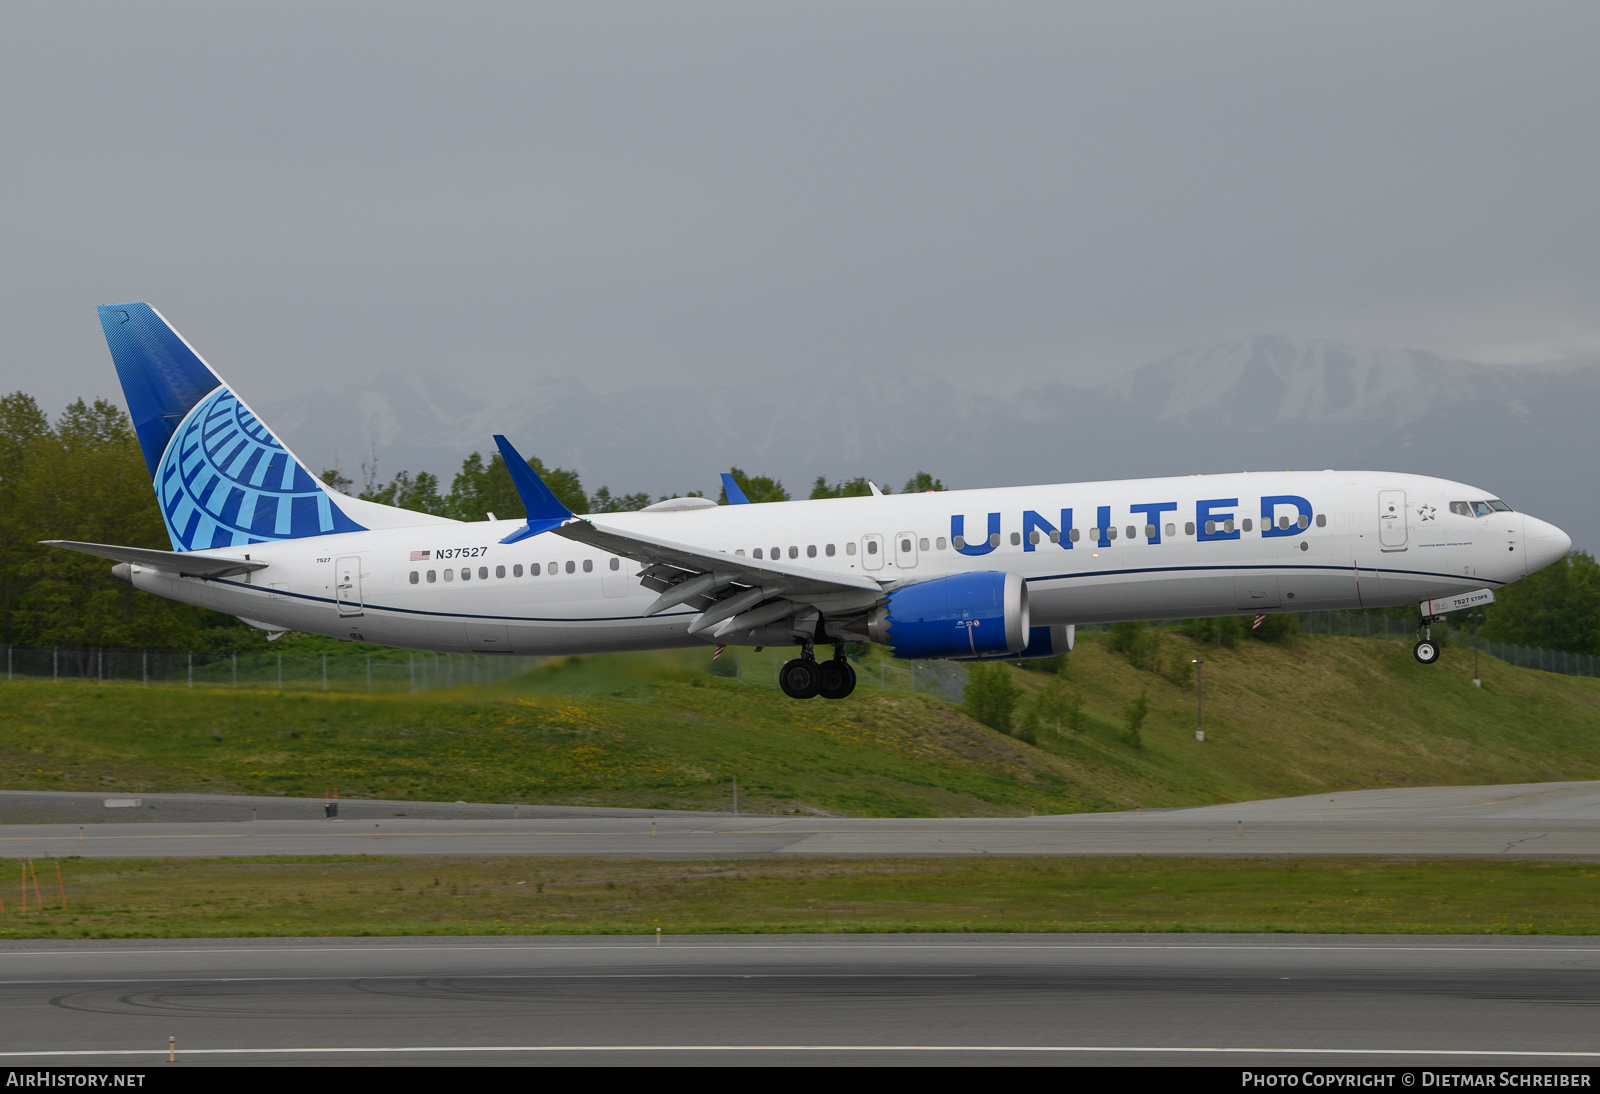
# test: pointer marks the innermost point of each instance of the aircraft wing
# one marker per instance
(185, 563)
(704, 579)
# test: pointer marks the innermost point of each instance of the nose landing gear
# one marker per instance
(1425, 651)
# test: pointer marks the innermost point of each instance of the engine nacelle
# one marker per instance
(982, 614)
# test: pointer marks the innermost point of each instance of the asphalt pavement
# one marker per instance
(1539, 820)
(1238, 1000)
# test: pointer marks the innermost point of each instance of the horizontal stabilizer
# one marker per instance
(183, 563)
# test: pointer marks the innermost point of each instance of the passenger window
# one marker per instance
(1133, 533)
(616, 564)
(794, 552)
(588, 565)
(1111, 533)
(555, 568)
(1227, 526)
(466, 573)
(740, 551)
(777, 553)
(1033, 537)
(499, 571)
(1211, 527)
(1172, 529)
(905, 546)
(960, 542)
(1072, 534)
(811, 550)
(922, 544)
(1304, 522)
(1283, 522)
(432, 577)
(413, 577)
(1055, 537)
(828, 550)
(1149, 531)
(1188, 528)
(516, 571)
(850, 548)
(756, 553)
(483, 572)
(1247, 524)
(533, 569)
(872, 546)
(1322, 520)
(940, 542)
(994, 540)
(571, 566)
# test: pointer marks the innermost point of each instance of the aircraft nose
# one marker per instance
(1545, 544)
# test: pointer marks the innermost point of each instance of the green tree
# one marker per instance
(603, 502)
(1557, 608)
(990, 695)
(1058, 706)
(922, 483)
(854, 488)
(22, 425)
(758, 488)
(481, 488)
(419, 494)
(1134, 715)
(86, 479)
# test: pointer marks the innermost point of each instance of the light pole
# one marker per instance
(1475, 618)
(1199, 701)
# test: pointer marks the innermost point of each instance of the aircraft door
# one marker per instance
(905, 549)
(347, 585)
(872, 552)
(1392, 520)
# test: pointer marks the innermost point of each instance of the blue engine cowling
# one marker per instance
(982, 614)
(1042, 642)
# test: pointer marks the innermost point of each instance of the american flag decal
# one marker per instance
(1260, 619)
(419, 556)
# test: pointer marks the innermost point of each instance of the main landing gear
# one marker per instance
(1425, 650)
(804, 676)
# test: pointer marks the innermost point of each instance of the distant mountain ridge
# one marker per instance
(1264, 401)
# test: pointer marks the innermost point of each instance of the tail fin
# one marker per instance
(221, 476)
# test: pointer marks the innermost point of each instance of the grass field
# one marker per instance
(408, 896)
(659, 731)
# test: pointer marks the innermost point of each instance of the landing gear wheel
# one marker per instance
(1426, 652)
(838, 678)
(800, 678)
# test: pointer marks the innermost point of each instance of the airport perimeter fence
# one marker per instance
(394, 673)
(1373, 625)
(942, 678)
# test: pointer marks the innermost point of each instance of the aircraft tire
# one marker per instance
(838, 678)
(800, 678)
(1426, 652)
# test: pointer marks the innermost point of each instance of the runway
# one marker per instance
(1539, 820)
(875, 1000)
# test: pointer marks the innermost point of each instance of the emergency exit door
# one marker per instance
(1392, 520)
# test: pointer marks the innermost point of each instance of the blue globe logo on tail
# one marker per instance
(225, 481)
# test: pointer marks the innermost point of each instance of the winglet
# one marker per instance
(731, 488)
(544, 510)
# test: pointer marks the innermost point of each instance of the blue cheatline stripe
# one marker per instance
(278, 593)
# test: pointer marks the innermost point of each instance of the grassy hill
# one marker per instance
(659, 731)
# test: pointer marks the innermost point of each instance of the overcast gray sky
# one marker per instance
(995, 192)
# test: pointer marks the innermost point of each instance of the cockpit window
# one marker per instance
(1479, 508)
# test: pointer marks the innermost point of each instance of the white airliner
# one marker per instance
(964, 574)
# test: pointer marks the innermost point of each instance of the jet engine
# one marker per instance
(983, 614)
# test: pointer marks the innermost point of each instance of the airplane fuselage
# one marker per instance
(1137, 549)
